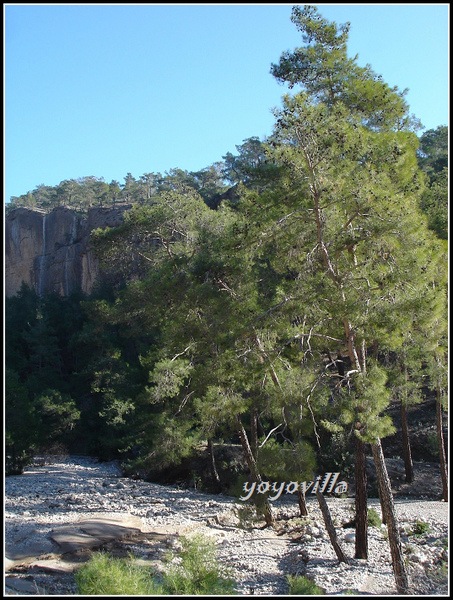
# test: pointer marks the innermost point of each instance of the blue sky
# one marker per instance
(106, 90)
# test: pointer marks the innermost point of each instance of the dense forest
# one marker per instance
(279, 299)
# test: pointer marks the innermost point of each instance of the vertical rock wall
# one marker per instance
(51, 252)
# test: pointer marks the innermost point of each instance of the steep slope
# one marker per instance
(50, 252)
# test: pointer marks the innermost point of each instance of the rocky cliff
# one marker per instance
(51, 252)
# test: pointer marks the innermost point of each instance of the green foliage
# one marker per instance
(287, 461)
(419, 528)
(194, 570)
(432, 443)
(168, 377)
(324, 70)
(251, 166)
(433, 160)
(433, 150)
(59, 417)
(373, 518)
(21, 424)
(104, 575)
(198, 571)
(302, 586)
(87, 192)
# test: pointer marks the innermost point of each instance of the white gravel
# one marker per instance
(69, 490)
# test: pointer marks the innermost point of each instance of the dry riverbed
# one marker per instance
(146, 519)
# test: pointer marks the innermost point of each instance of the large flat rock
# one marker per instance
(93, 532)
(31, 544)
(28, 543)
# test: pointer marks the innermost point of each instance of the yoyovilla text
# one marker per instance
(328, 484)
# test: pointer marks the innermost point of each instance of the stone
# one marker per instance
(26, 544)
(93, 532)
(21, 585)
(50, 252)
(314, 531)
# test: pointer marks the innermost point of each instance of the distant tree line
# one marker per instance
(213, 181)
(86, 192)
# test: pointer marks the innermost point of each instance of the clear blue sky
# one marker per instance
(111, 89)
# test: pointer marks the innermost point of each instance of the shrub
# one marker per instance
(420, 528)
(192, 570)
(107, 576)
(197, 571)
(374, 520)
(302, 586)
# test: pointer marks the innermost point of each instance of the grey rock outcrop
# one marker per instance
(50, 252)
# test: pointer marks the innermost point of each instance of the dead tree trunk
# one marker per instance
(441, 443)
(396, 551)
(263, 504)
(331, 528)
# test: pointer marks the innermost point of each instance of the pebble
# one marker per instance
(69, 490)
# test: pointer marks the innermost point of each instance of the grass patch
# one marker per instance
(420, 528)
(196, 570)
(374, 520)
(302, 586)
(192, 570)
(104, 575)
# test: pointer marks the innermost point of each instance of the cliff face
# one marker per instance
(51, 252)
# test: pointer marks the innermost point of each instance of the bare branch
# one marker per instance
(181, 353)
(269, 434)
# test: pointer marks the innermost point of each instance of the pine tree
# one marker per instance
(343, 220)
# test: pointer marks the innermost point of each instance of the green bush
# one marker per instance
(193, 570)
(302, 586)
(374, 520)
(420, 528)
(197, 571)
(104, 575)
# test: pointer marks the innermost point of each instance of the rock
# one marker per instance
(21, 585)
(313, 531)
(94, 532)
(51, 252)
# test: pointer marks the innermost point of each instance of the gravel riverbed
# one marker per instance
(65, 491)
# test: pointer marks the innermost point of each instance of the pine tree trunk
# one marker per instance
(408, 464)
(302, 504)
(331, 528)
(384, 520)
(361, 508)
(262, 504)
(441, 443)
(396, 551)
(214, 473)
(254, 432)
